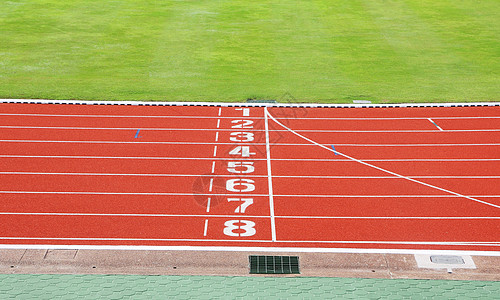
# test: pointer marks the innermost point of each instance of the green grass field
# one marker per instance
(231, 50)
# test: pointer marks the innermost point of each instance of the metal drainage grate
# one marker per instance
(262, 264)
(447, 259)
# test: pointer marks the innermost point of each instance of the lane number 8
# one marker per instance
(231, 227)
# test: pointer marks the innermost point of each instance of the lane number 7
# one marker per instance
(241, 208)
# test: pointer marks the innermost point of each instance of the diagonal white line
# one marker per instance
(380, 169)
(430, 120)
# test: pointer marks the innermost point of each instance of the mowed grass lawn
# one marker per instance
(232, 50)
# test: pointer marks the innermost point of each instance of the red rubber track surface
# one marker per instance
(320, 178)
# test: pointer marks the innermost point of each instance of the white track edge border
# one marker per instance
(253, 249)
(228, 104)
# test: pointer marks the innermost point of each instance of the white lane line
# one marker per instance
(256, 144)
(217, 136)
(247, 216)
(383, 177)
(128, 215)
(279, 118)
(390, 218)
(206, 228)
(215, 151)
(125, 174)
(430, 120)
(269, 178)
(472, 243)
(382, 169)
(253, 249)
(208, 204)
(123, 239)
(123, 116)
(240, 175)
(255, 130)
(211, 184)
(220, 111)
(291, 249)
(333, 160)
(381, 196)
(242, 195)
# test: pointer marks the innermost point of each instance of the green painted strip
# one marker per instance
(25, 286)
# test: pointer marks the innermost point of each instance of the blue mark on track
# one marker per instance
(137, 134)
(334, 151)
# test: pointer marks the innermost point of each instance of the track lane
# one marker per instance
(385, 186)
(362, 138)
(276, 137)
(389, 112)
(117, 184)
(364, 152)
(136, 135)
(116, 227)
(412, 125)
(402, 206)
(122, 150)
(128, 204)
(118, 110)
(180, 123)
(409, 230)
(343, 167)
(184, 166)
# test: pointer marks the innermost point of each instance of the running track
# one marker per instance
(222, 177)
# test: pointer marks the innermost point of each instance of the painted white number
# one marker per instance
(240, 167)
(240, 185)
(246, 124)
(246, 203)
(244, 151)
(241, 136)
(231, 227)
(246, 111)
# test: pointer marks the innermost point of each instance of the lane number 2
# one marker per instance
(243, 124)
